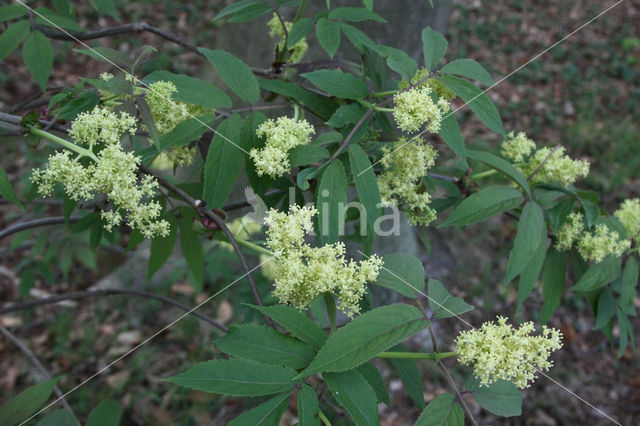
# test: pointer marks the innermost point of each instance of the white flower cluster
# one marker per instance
(415, 107)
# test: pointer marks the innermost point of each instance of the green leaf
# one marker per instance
(237, 7)
(530, 274)
(296, 322)
(6, 190)
(332, 199)
(320, 105)
(355, 395)
(11, 38)
(355, 14)
(49, 18)
(482, 205)
(224, 162)
(399, 269)
(299, 30)
(366, 336)
(26, 403)
(502, 166)
(235, 73)
(629, 283)
(468, 68)
(251, 13)
(107, 413)
(553, 276)
(306, 154)
(191, 247)
(358, 38)
(268, 413)
(37, 54)
(605, 311)
(501, 398)
(10, 12)
(599, 274)
(450, 132)
(237, 377)
(442, 303)
(266, 345)
(477, 100)
(531, 230)
(162, 247)
(434, 46)
(626, 331)
(366, 182)
(308, 407)
(442, 411)
(374, 378)
(108, 55)
(191, 90)
(106, 6)
(410, 376)
(249, 140)
(60, 417)
(398, 60)
(328, 33)
(346, 114)
(147, 119)
(337, 83)
(368, 4)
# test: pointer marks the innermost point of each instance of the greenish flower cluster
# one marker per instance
(592, 245)
(629, 216)
(415, 107)
(113, 173)
(497, 351)
(401, 181)
(298, 50)
(544, 165)
(281, 136)
(303, 272)
(438, 88)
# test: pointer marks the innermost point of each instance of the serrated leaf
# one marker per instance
(355, 395)
(599, 274)
(501, 398)
(450, 132)
(332, 198)
(224, 162)
(468, 68)
(484, 204)
(337, 83)
(553, 276)
(251, 13)
(346, 114)
(366, 182)
(629, 283)
(268, 413)
(374, 378)
(355, 14)
(299, 30)
(237, 377)
(250, 140)
(363, 338)
(605, 311)
(502, 166)
(410, 376)
(11, 38)
(443, 410)
(306, 154)
(237, 7)
(531, 230)
(328, 33)
(162, 247)
(49, 18)
(308, 406)
(442, 303)
(477, 100)
(434, 46)
(60, 417)
(397, 60)
(191, 90)
(191, 248)
(266, 345)
(235, 73)
(358, 38)
(26, 403)
(296, 322)
(108, 7)
(12, 11)
(399, 269)
(6, 190)
(530, 274)
(320, 105)
(107, 413)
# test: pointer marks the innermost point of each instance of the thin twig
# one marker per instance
(36, 223)
(111, 292)
(34, 360)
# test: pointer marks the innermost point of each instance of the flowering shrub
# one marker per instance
(157, 157)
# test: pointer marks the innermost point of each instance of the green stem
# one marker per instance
(69, 145)
(324, 418)
(434, 356)
(383, 94)
(331, 310)
(254, 247)
(300, 11)
(484, 174)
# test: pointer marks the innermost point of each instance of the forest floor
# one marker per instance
(583, 94)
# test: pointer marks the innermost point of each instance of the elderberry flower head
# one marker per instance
(281, 135)
(422, 77)
(570, 231)
(603, 242)
(517, 147)
(405, 164)
(101, 126)
(498, 351)
(166, 112)
(629, 216)
(415, 107)
(557, 167)
(276, 30)
(303, 272)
